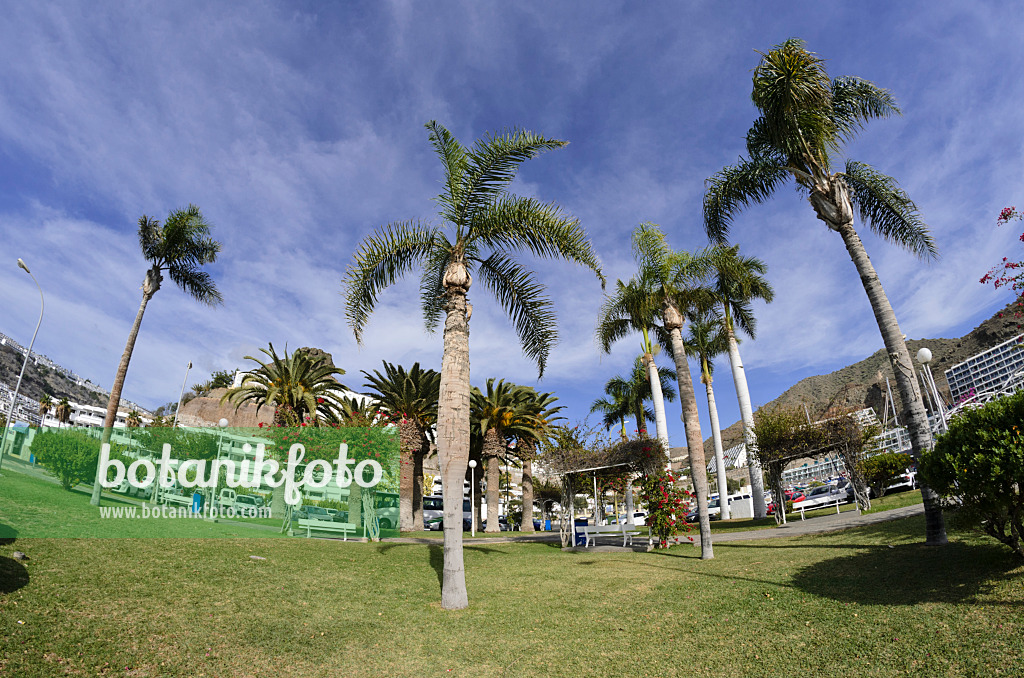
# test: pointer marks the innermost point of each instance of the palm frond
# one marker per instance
(732, 188)
(888, 210)
(630, 308)
(522, 298)
(381, 259)
(197, 284)
(855, 101)
(432, 295)
(517, 224)
(455, 160)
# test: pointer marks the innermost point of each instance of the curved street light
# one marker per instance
(472, 499)
(924, 356)
(28, 354)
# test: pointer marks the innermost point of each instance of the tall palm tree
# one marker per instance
(706, 341)
(179, 248)
(667, 289)
(45, 405)
(532, 424)
(627, 397)
(410, 399)
(298, 386)
(132, 422)
(63, 411)
(806, 118)
(485, 227)
(738, 281)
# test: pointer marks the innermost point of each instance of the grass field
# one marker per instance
(873, 601)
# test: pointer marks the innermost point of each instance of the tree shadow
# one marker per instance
(7, 534)
(13, 575)
(910, 574)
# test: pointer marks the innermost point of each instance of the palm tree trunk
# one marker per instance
(417, 483)
(149, 287)
(453, 444)
(895, 345)
(409, 442)
(716, 436)
(739, 378)
(660, 424)
(527, 525)
(493, 444)
(694, 443)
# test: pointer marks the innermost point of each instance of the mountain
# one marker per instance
(862, 384)
(40, 379)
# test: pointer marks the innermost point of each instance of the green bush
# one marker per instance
(979, 467)
(882, 469)
(68, 454)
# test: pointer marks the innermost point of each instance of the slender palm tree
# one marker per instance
(738, 281)
(485, 227)
(179, 248)
(132, 422)
(706, 341)
(299, 387)
(629, 309)
(45, 405)
(628, 397)
(806, 118)
(63, 411)
(668, 288)
(409, 398)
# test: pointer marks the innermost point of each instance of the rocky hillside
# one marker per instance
(863, 383)
(40, 379)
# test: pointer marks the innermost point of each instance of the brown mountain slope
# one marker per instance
(864, 381)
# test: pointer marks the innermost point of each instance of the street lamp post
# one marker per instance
(472, 498)
(28, 354)
(223, 424)
(924, 356)
(181, 395)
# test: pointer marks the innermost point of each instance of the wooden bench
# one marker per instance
(324, 526)
(801, 508)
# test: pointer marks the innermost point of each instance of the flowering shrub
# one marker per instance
(667, 506)
(1008, 273)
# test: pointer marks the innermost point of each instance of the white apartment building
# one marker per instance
(988, 371)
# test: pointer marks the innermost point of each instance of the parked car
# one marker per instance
(313, 513)
(433, 507)
(639, 518)
(905, 481)
(823, 495)
(246, 504)
(503, 525)
(791, 495)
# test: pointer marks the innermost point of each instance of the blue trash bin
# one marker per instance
(581, 539)
(197, 502)
(547, 525)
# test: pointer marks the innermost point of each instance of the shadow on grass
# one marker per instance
(13, 575)
(7, 534)
(909, 574)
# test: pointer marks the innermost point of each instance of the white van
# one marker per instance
(433, 507)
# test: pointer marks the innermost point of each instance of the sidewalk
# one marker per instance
(797, 528)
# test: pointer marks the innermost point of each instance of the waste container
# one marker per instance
(197, 502)
(581, 539)
(547, 524)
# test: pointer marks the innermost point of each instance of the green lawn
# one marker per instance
(871, 601)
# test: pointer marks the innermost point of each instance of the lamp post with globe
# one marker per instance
(472, 498)
(924, 356)
(28, 354)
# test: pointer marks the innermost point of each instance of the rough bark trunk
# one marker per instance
(453, 441)
(913, 408)
(409, 443)
(694, 443)
(739, 378)
(527, 525)
(716, 436)
(660, 423)
(417, 483)
(149, 287)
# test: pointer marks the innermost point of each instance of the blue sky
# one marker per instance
(298, 129)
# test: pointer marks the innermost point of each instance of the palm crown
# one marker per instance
(805, 120)
(485, 226)
(180, 247)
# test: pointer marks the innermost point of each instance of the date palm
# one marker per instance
(45, 405)
(484, 227)
(409, 398)
(63, 411)
(536, 414)
(298, 386)
(493, 414)
(738, 281)
(805, 119)
(667, 290)
(706, 341)
(179, 248)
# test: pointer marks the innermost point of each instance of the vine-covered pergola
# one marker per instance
(577, 466)
(784, 436)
